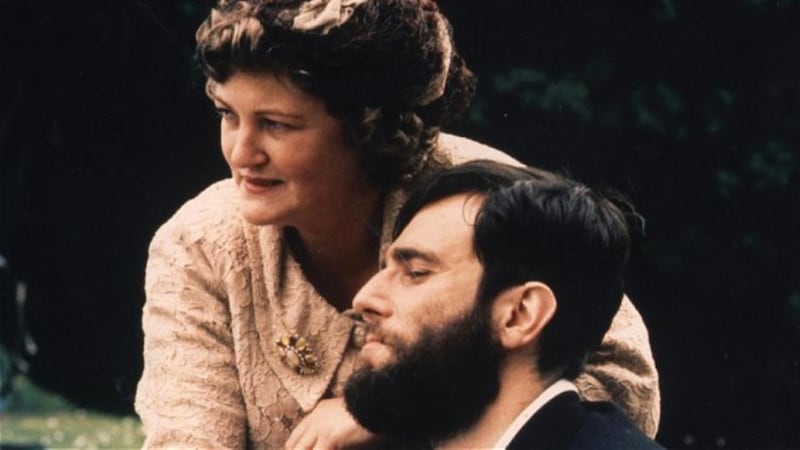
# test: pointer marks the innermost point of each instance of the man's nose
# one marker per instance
(372, 301)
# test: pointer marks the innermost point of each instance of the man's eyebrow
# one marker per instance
(401, 254)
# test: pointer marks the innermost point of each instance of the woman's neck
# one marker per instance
(341, 254)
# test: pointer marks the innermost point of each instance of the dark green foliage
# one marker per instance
(691, 109)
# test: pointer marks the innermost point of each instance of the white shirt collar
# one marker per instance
(548, 394)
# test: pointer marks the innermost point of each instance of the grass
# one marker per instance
(78, 429)
(32, 417)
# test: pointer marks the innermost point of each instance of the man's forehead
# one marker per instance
(443, 229)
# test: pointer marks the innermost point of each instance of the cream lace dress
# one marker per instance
(221, 292)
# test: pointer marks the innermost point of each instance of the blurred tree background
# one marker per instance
(690, 107)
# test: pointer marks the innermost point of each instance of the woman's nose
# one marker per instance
(245, 148)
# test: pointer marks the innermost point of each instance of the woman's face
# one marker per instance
(291, 160)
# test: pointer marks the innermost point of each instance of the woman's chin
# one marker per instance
(258, 214)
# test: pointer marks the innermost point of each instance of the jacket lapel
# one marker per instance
(287, 299)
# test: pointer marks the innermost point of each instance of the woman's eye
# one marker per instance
(271, 125)
(223, 113)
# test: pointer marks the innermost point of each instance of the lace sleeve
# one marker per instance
(189, 394)
(622, 370)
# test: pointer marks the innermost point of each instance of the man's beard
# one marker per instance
(436, 388)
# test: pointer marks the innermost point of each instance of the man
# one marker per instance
(499, 282)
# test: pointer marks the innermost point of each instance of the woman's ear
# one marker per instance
(521, 313)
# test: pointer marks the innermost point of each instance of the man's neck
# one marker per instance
(519, 386)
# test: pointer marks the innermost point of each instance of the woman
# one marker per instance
(329, 110)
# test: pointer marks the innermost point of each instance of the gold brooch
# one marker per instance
(296, 353)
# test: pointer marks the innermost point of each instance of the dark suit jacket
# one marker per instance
(567, 423)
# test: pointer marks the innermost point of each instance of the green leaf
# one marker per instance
(772, 166)
(509, 82)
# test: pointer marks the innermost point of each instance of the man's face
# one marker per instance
(431, 361)
(430, 277)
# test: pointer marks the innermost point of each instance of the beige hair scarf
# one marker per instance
(324, 14)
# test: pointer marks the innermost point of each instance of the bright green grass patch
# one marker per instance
(34, 416)
(78, 429)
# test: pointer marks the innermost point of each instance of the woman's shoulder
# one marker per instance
(210, 215)
(454, 150)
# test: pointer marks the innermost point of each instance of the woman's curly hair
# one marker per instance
(375, 71)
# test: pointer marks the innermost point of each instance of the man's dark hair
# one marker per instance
(535, 225)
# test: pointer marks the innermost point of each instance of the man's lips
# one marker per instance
(372, 342)
(378, 351)
(374, 352)
(372, 338)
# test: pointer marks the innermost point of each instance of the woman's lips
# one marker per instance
(259, 185)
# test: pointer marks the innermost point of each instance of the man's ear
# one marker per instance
(521, 313)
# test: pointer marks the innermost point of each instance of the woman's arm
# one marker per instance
(329, 426)
(622, 370)
(189, 394)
